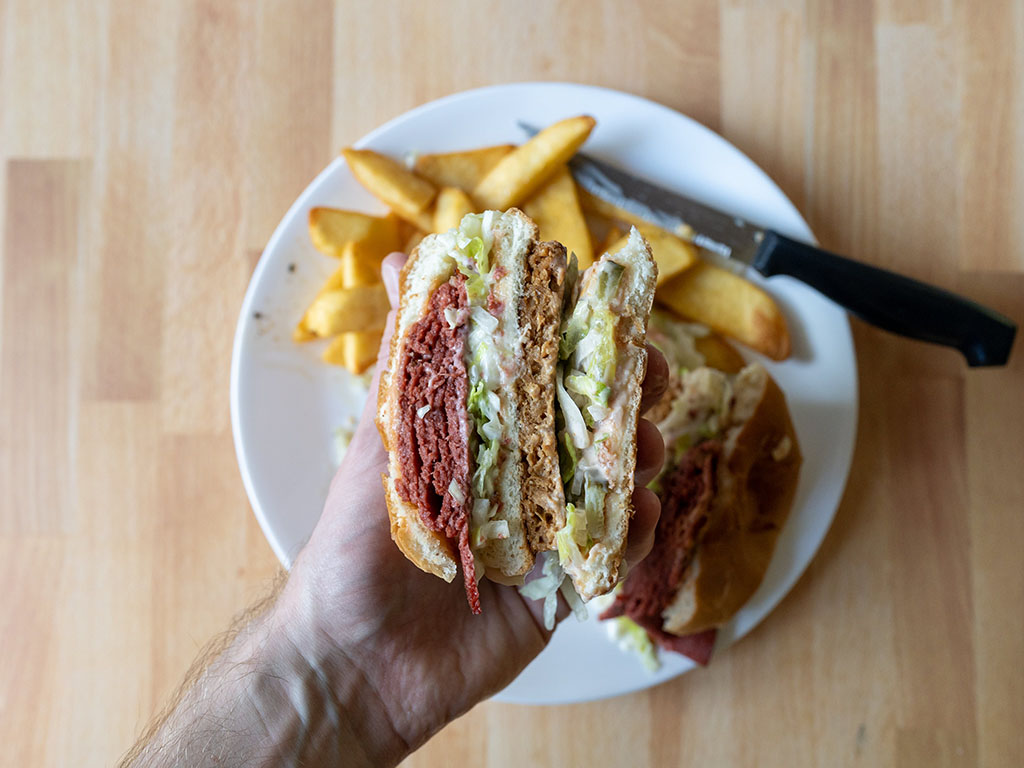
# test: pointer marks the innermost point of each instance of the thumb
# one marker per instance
(389, 272)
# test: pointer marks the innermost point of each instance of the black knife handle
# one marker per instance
(893, 302)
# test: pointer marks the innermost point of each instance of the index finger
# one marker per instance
(656, 380)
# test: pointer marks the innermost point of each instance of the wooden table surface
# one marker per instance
(148, 151)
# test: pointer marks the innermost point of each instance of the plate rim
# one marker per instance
(844, 457)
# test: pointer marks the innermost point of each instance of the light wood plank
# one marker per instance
(206, 269)
(991, 142)
(148, 150)
(131, 231)
(995, 484)
(764, 81)
(288, 109)
(56, 101)
(43, 240)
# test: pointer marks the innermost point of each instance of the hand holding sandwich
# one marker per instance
(362, 656)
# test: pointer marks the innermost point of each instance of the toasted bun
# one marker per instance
(600, 569)
(515, 242)
(756, 481)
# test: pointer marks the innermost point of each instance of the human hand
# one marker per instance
(422, 657)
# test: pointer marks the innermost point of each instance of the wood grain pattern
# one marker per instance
(146, 154)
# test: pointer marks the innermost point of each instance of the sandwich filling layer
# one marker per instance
(453, 437)
(591, 410)
(433, 426)
(651, 586)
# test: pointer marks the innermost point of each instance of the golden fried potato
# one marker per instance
(593, 204)
(360, 265)
(334, 352)
(413, 241)
(356, 350)
(347, 309)
(460, 169)
(452, 204)
(391, 182)
(611, 240)
(556, 211)
(526, 168)
(331, 229)
(730, 305)
(335, 282)
(719, 353)
(672, 254)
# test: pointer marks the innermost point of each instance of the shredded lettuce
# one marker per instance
(597, 352)
(494, 529)
(456, 492)
(574, 332)
(583, 385)
(676, 340)
(593, 494)
(574, 422)
(483, 476)
(608, 279)
(630, 636)
(571, 537)
(473, 241)
(567, 457)
(572, 597)
(546, 587)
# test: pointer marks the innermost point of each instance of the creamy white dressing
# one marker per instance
(591, 393)
(489, 367)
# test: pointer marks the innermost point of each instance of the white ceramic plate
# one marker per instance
(286, 404)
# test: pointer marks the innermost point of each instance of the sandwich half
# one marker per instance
(602, 362)
(466, 403)
(730, 478)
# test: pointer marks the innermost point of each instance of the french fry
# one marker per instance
(593, 204)
(719, 353)
(611, 239)
(452, 204)
(334, 352)
(347, 309)
(730, 305)
(672, 254)
(334, 282)
(360, 265)
(330, 229)
(460, 169)
(557, 213)
(397, 187)
(413, 241)
(526, 168)
(356, 350)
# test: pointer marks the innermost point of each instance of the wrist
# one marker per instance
(343, 717)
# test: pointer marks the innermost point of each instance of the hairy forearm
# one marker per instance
(273, 693)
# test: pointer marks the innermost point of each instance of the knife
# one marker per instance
(885, 299)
